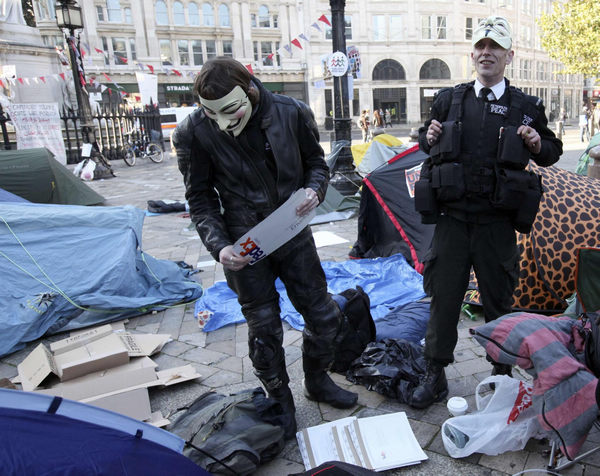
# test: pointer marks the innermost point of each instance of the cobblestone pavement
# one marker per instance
(221, 357)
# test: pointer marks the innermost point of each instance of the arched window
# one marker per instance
(178, 15)
(388, 70)
(224, 15)
(162, 16)
(434, 69)
(193, 14)
(208, 15)
(113, 7)
(264, 20)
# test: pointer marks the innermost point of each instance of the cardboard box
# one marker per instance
(81, 338)
(102, 353)
(139, 345)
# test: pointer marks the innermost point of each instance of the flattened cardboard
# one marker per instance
(133, 403)
(99, 354)
(36, 367)
(80, 338)
(139, 345)
(138, 373)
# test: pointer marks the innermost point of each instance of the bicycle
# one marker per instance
(151, 150)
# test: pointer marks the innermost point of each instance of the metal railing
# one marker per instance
(110, 126)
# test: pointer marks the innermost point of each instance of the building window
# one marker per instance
(193, 14)
(228, 48)
(132, 49)
(197, 52)
(99, 12)
(119, 47)
(208, 15)
(395, 27)
(105, 49)
(347, 27)
(378, 27)
(182, 52)
(264, 20)
(253, 20)
(166, 55)
(211, 49)
(113, 7)
(178, 14)
(434, 69)
(162, 16)
(265, 50)
(388, 70)
(128, 18)
(433, 27)
(224, 15)
(275, 21)
(468, 28)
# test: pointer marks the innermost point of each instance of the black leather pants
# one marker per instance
(298, 266)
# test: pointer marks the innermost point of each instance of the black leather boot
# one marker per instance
(433, 386)
(318, 386)
(501, 369)
(288, 416)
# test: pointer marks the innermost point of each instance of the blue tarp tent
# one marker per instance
(65, 266)
(42, 434)
(389, 282)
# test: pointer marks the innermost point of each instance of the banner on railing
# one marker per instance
(38, 125)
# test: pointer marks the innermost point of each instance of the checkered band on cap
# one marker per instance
(495, 28)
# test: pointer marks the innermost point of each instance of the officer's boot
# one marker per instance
(319, 387)
(432, 387)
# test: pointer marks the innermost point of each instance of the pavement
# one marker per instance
(221, 356)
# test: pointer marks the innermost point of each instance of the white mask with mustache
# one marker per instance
(231, 112)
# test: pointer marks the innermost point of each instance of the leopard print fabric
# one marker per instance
(568, 218)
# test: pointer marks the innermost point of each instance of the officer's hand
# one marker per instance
(231, 260)
(532, 139)
(310, 202)
(433, 132)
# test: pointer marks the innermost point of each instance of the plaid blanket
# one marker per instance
(551, 350)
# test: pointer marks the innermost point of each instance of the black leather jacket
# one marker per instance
(226, 191)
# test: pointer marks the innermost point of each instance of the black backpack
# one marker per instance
(358, 327)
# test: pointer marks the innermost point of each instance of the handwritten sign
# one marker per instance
(38, 125)
(275, 230)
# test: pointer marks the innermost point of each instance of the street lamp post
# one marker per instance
(68, 17)
(344, 179)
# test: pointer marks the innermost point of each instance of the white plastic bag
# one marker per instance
(504, 420)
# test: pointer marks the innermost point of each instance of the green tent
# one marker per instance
(37, 176)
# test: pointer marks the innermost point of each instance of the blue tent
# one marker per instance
(42, 434)
(65, 266)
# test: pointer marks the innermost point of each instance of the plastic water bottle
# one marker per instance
(456, 436)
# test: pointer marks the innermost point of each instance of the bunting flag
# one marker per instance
(151, 68)
(98, 50)
(2, 84)
(301, 35)
(20, 80)
(107, 77)
(249, 68)
(296, 42)
(176, 72)
(288, 48)
(62, 75)
(270, 56)
(43, 78)
(316, 25)
(324, 19)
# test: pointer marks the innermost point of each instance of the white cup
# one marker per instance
(457, 406)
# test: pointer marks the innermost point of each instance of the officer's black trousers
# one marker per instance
(457, 245)
(298, 266)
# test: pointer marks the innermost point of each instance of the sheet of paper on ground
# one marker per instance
(378, 443)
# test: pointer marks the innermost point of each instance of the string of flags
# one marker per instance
(85, 50)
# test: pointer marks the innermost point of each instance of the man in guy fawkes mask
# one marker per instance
(242, 155)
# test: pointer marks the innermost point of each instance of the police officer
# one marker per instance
(478, 134)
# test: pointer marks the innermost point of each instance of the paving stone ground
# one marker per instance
(221, 357)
